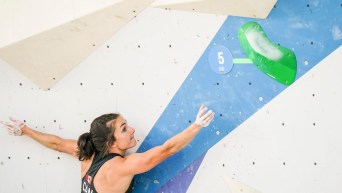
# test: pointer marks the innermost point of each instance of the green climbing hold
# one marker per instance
(274, 60)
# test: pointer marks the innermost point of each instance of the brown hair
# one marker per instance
(99, 138)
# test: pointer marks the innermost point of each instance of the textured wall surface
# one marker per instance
(156, 72)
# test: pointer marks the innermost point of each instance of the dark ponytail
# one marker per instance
(99, 139)
(85, 147)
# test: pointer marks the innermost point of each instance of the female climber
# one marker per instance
(104, 166)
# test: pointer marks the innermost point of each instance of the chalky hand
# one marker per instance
(13, 127)
(204, 117)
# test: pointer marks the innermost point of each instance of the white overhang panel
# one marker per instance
(47, 57)
(243, 8)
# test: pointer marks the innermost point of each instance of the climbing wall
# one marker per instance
(290, 145)
(136, 73)
(266, 137)
(238, 94)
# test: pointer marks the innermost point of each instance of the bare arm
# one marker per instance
(141, 162)
(17, 128)
(68, 146)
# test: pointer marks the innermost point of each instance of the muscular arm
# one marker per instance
(54, 142)
(18, 128)
(141, 162)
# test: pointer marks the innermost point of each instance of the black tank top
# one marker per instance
(87, 181)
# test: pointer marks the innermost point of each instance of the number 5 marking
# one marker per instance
(220, 58)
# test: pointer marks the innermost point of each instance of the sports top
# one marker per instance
(87, 181)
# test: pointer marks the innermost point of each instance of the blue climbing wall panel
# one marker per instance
(311, 29)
